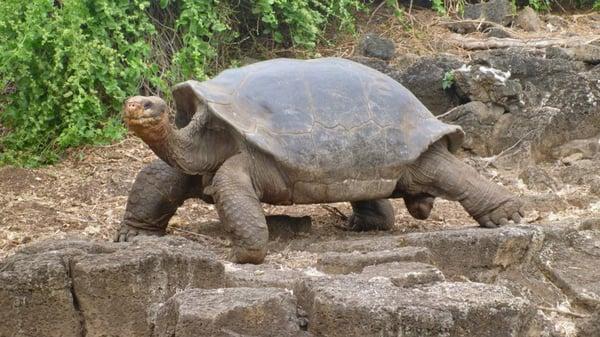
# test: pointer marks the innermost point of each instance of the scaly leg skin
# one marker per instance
(156, 194)
(420, 205)
(240, 210)
(439, 173)
(371, 215)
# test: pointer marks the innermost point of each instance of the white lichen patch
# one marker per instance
(313, 272)
(595, 206)
(231, 267)
(591, 99)
(498, 74)
(464, 68)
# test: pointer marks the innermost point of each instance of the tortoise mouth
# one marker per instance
(135, 114)
(142, 120)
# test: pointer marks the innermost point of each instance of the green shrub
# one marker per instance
(72, 63)
(303, 19)
(540, 5)
(67, 65)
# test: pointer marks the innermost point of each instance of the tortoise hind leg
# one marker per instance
(439, 173)
(371, 215)
(156, 194)
(420, 205)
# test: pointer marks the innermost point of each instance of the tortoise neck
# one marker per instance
(161, 139)
(193, 149)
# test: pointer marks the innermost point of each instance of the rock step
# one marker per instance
(265, 275)
(462, 252)
(572, 265)
(354, 262)
(403, 274)
(466, 252)
(229, 312)
(347, 307)
(76, 287)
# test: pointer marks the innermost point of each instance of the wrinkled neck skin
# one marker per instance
(194, 149)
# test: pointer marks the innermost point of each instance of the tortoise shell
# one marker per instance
(327, 116)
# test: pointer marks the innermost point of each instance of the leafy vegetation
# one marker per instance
(448, 80)
(540, 5)
(438, 6)
(67, 65)
(547, 5)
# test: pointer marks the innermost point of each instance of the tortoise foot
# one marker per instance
(244, 255)
(501, 215)
(371, 215)
(127, 232)
(359, 224)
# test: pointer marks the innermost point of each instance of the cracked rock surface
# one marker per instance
(83, 288)
(518, 281)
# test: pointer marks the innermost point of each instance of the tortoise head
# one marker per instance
(144, 110)
(146, 116)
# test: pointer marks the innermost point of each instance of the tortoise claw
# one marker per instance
(127, 232)
(489, 224)
(503, 214)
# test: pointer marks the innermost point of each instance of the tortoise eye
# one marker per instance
(147, 105)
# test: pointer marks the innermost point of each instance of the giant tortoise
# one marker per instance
(288, 131)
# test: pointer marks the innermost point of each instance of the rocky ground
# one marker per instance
(532, 122)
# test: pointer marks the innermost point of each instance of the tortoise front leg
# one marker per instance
(371, 215)
(156, 194)
(240, 210)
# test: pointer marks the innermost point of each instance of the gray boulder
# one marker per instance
(474, 253)
(587, 53)
(588, 148)
(498, 11)
(69, 287)
(498, 33)
(537, 118)
(424, 79)
(568, 264)
(536, 178)
(528, 20)
(375, 46)
(488, 85)
(479, 121)
(352, 307)
(268, 312)
(37, 296)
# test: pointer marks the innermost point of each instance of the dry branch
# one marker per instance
(494, 43)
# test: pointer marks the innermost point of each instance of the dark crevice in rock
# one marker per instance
(303, 321)
(76, 304)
